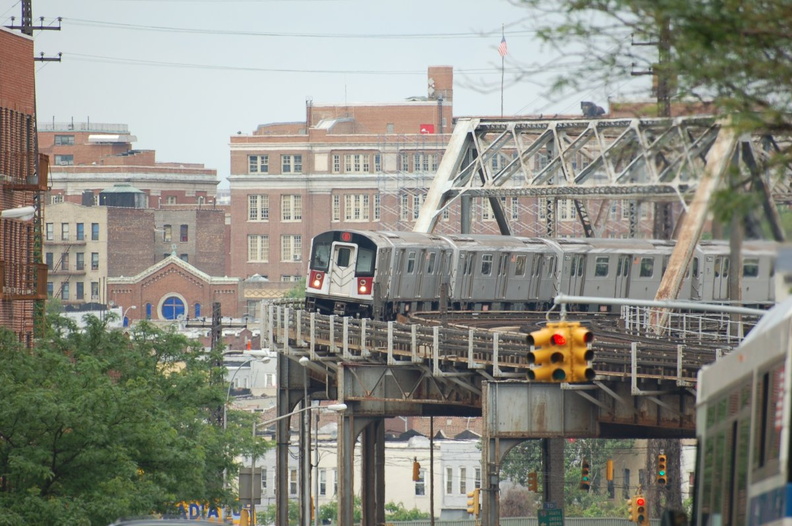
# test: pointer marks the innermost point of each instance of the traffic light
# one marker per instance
(581, 353)
(585, 475)
(549, 354)
(641, 516)
(632, 514)
(416, 474)
(533, 482)
(473, 502)
(662, 470)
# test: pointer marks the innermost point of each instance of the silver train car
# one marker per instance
(384, 274)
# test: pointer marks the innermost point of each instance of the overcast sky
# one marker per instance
(185, 75)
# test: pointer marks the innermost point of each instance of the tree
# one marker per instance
(732, 52)
(97, 424)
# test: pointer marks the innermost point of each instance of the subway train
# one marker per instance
(381, 275)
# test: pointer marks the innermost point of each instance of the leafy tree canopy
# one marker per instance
(98, 424)
(733, 52)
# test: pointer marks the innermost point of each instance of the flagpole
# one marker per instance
(503, 59)
(502, 52)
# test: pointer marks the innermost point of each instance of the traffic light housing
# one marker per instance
(473, 502)
(641, 517)
(416, 474)
(580, 353)
(533, 482)
(632, 514)
(549, 355)
(585, 475)
(662, 470)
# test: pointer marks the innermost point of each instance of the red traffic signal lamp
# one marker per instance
(533, 482)
(549, 354)
(641, 516)
(473, 502)
(585, 475)
(581, 353)
(662, 470)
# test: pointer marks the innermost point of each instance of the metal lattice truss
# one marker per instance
(636, 160)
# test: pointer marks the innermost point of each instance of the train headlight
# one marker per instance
(364, 286)
(316, 279)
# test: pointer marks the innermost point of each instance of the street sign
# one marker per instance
(551, 517)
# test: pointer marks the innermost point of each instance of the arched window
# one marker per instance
(172, 308)
(197, 310)
(148, 311)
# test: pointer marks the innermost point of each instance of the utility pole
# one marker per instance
(26, 26)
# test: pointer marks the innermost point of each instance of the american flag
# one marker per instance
(503, 49)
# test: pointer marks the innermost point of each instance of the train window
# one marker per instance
(430, 263)
(601, 266)
(751, 268)
(411, 263)
(580, 266)
(519, 266)
(647, 267)
(486, 264)
(551, 265)
(343, 255)
(365, 262)
(469, 264)
(321, 257)
(695, 267)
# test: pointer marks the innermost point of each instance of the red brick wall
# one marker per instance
(17, 81)
(130, 241)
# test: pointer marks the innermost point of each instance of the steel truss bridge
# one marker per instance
(643, 388)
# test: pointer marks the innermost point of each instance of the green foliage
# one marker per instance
(397, 512)
(329, 512)
(527, 457)
(97, 424)
(298, 291)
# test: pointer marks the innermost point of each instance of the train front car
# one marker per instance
(341, 274)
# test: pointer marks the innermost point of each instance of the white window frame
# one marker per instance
(258, 248)
(291, 164)
(356, 207)
(336, 211)
(258, 164)
(258, 207)
(291, 207)
(291, 248)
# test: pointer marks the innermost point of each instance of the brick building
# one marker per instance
(346, 166)
(22, 178)
(88, 157)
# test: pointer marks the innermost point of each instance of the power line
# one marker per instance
(271, 34)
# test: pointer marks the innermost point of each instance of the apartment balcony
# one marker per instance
(23, 281)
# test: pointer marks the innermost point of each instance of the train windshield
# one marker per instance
(365, 262)
(321, 256)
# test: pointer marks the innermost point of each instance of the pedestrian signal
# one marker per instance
(581, 353)
(473, 502)
(533, 482)
(549, 354)
(662, 470)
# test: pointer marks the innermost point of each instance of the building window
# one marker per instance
(65, 231)
(170, 200)
(56, 198)
(197, 310)
(167, 233)
(420, 485)
(336, 213)
(356, 207)
(449, 485)
(258, 207)
(376, 207)
(184, 257)
(184, 231)
(49, 259)
(291, 248)
(64, 261)
(258, 164)
(417, 201)
(356, 163)
(258, 248)
(463, 480)
(94, 260)
(149, 309)
(487, 213)
(322, 481)
(64, 160)
(80, 231)
(64, 140)
(291, 164)
(79, 293)
(404, 207)
(50, 231)
(94, 291)
(377, 162)
(94, 231)
(96, 199)
(65, 291)
(172, 308)
(263, 479)
(293, 482)
(404, 162)
(80, 261)
(291, 207)
(477, 478)
(336, 163)
(50, 289)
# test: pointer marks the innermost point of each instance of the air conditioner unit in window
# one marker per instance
(297, 257)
